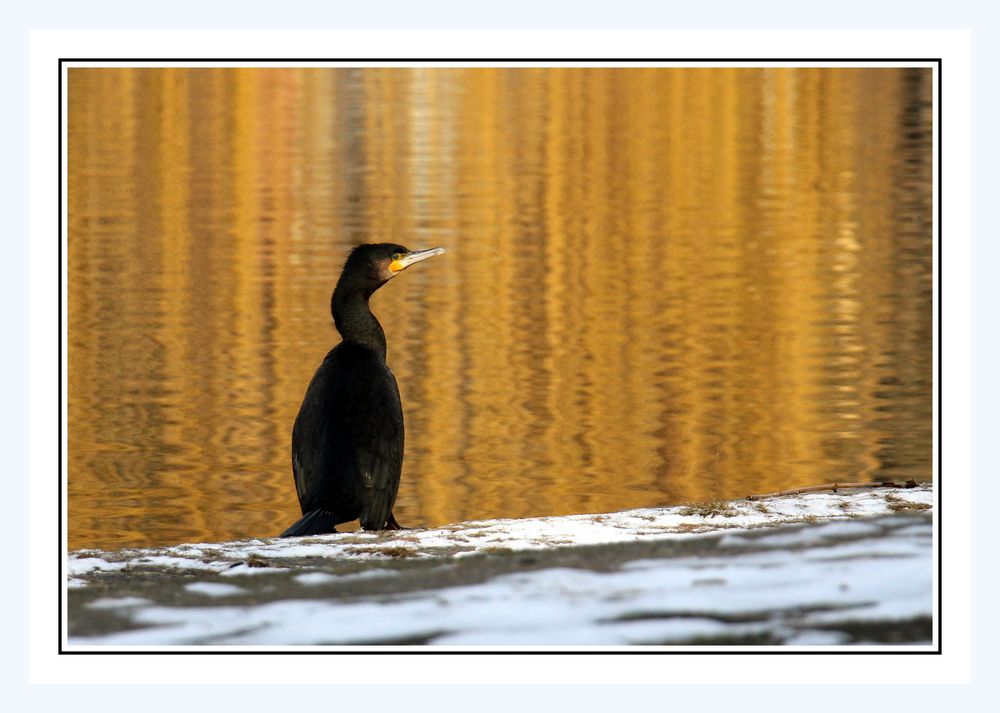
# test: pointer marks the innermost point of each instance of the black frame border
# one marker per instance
(625, 62)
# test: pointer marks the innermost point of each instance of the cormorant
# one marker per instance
(347, 441)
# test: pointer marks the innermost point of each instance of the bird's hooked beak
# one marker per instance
(400, 264)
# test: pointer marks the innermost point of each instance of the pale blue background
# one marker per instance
(19, 17)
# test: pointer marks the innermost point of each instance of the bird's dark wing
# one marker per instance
(375, 421)
(321, 456)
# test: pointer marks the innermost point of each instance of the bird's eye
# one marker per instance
(397, 256)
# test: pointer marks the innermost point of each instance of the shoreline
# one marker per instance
(816, 569)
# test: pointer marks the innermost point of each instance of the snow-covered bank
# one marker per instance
(821, 569)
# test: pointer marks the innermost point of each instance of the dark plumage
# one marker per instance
(347, 441)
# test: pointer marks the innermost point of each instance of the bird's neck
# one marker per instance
(354, 318)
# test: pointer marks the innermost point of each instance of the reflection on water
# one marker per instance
(662, 285)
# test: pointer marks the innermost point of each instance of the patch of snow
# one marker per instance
(817, 638)
(310, 578)
(118, 602)
(214, 589)
(82, 565)
(313, 578)
(168, 562)
(243, 570)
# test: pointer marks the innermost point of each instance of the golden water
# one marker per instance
(661, 285)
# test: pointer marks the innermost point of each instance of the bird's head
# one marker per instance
(377, 263)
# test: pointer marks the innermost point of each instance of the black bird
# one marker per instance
(347, 442)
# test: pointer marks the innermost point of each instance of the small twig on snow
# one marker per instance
(835, 487)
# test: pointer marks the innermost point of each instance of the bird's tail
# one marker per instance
(314, 522)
